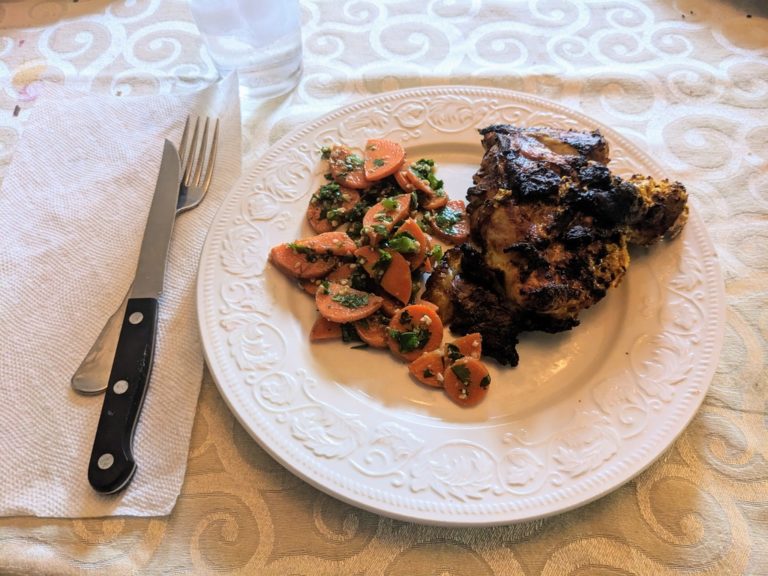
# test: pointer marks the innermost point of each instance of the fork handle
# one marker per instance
(112, 465)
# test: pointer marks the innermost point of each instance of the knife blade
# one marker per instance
(112, 465)
(92, 375)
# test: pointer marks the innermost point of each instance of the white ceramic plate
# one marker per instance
(584, 412)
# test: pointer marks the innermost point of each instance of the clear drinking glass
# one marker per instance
(261, 39)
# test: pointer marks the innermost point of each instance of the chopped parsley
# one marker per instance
(462, 373)
(378, 162)
(330, 192)
(453, 353)
(353, 162)
(404, 243)
(447, 218)
(304, 250)
(389, 203)
(485, 382)
(425, 169)
(335, 214)
(325, 152)
(428, 373)
(381, 230)
(436, 253)
(381, 265)
(351, 299)
(411, 340)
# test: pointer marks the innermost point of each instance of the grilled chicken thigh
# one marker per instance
(550, 228)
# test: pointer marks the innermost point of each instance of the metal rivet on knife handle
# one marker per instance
(105, 461)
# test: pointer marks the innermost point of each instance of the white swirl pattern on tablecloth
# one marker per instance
(685, 80)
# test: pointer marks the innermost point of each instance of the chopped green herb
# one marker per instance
(404, 243)
(382, 217)
(425, 169)
(325, 152)
(335, 214)
(428, 373)
(453, 352)
(405, 317)
(447, 218)
(411, 340)
(300, 249)
(436, 253)
(485, 382)
(381, 230)
(378, 162)
(462, 373)
(351, 300)
(389, 203)
(330, 191)
(353, 162)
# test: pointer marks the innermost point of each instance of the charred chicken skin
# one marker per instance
(550, 228)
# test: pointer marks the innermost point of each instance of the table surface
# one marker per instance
(685, 80)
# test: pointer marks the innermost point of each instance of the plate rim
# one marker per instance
(439, 518)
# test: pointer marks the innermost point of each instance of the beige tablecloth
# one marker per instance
(686, 80)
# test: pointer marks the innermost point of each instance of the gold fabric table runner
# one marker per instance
(686, 81)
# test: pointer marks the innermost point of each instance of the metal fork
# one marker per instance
(194, 182)
(198, 161)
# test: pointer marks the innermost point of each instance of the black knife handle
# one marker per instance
(112, 465)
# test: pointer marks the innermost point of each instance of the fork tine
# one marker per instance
(183, 143)
(191, 158)
(201, 154)
(211, 158)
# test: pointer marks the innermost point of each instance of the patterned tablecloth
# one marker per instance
(685, 80)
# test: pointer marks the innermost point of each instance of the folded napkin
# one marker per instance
(73, 208)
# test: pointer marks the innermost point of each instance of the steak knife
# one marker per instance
(112, 464)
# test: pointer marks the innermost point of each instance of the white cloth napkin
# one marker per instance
(73, 208)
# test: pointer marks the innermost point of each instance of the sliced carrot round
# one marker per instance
(466, 381)
(434, 202)
(340, 274)
(370, 259)
(404, 181)
(324, 329)
(300, 265)
(429, 304)
(347, 168)
(413, 330)
(382, 217)
(397, 278)
(328, 206)
(373, 330)
(389, 306)
(470, 345)
(451, 224)
(309, 286)
(428, 368)
(342, 304)
(382, 158)
(410, 228)
(331, 243)
(429, 199)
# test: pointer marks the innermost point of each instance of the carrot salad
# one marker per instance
(375, 219)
